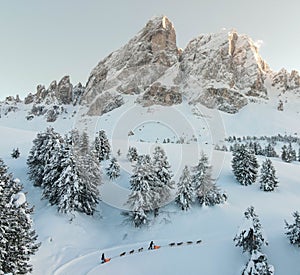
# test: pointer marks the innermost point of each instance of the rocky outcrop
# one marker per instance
(222, 70)
(222, 64)
(223, 99)
(158, 94)
(135, 66)
(285, 81)
(61, 93)
(104, 103)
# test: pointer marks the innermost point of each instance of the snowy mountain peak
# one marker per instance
(134, 67)
(221, 70)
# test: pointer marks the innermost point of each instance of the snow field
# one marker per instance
(73, 245)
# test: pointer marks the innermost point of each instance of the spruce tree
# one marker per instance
(206, 191)
(142, 199)
(284, 154)
(163, 172)
(293, 230)
(132, 154)
(244, 165)
(258, 265)
(52, 172)
(15, 153)
(268, 179)
(17, 237)
(288, 154)
(40, 154)
(250, 236)
(113, 171)
(270, 152)
(102, 146)
(185, 191)
(76, 187)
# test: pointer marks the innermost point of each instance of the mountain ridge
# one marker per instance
(221, 70)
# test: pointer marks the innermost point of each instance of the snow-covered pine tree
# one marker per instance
(76, 187)
(185, 191)
(90, 175)
(258, 265)
(206, 191)
(102, 146)
(292, 152)
(244, 165)
(284, 154)
(17, 237)
(293, 230)
(15, 153)
(142, 199)
(288, 154)
(132, 154)
(250, 236)
(40, 154)
(269, 151)
(268, 180)
(113, 170)
(257, 150)
(52, 172)
(163, 172)
(84, 143)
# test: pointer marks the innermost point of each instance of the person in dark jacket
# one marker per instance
(151, 245)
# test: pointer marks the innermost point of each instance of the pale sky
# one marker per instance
(44, 40)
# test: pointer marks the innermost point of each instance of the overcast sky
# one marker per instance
(45, 40)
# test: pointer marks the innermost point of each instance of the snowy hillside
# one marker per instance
(73, 245)
(214, 95)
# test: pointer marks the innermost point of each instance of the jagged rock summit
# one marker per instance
(134, 67)
(222, 70)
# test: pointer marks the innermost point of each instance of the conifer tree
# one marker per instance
(113, 171)
(75, 188)
(40, 154)
(52, 172)
(268, 179)
(15, 153)
(162, 169)
(293, 230)
(250, 236)
(206, 190)
(132, 154)
(84, 143)
(258, 265)
(288, 153)
(270, 152)
(244, 165)
(142, 198)
(102, 146)
(17, 237)
(184, 196)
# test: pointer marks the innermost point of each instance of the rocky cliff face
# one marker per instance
(219, 70)
(62, 92)
(222, 70)
(135, 66)
(214, 63)
(285, 81)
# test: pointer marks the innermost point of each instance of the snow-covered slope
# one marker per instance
(169, 97)
(73, 245)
